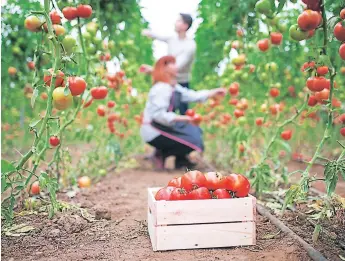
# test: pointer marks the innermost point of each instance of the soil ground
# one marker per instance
(122, 198)
(117, 227)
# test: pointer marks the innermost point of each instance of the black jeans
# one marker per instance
(184, 106)
(170, 147)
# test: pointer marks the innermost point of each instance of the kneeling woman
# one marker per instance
(172, 134)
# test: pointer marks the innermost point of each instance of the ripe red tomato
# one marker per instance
(234, 88)
(342, 118)
(291, 90)
(342, 131)
(190, 112)
(192, 180)
(197, 119)
(336, 103)
(101, 110)
(33, 23)
(238, 184)
(213, 180)
(70, 12)
(259, 121)
(54, 141)
(111, 104)
(113, 117)
(233, 101)
(322, 96)
(200, 193)
(317, 84)
(84, 11)
(312, 101)
(276, 38)
(274, 92)
(59, 79)
(309, 20)
(239, 32)
(311, 34)
(87, 104)
(175, 182)
(263, 45)
(342, 51)
(99, 93)
(342, 14)
(238, 113)
(241, 148)
(31, 65)
(339, 32)
(55, 17)
(220, 194)
(179, 194)
(286, 135)
(35, 188)
(308, 65)
(77, 85)
(164, 193)
(322, 70)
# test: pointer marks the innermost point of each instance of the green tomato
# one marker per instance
(16, 50)
(273, 67)
(237, 74)
(242, 120)
(264, 76)
(264, 7)
(92, 28)
(244, 77)
(293, 1)
(87, 36)
(278, 85)
(102, 172)
(91, 49)
(97, 41)
(297, 34)
(69, 43)
(282, 27)
(111, 45)
(45, 59)
(226, 81)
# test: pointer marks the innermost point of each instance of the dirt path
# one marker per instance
(68, 236)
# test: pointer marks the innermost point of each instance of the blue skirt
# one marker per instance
(185, 133)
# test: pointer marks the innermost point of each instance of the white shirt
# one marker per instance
(158, 104)
(184, 52)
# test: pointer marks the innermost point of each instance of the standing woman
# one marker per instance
(172, 134)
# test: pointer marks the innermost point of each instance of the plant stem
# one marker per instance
(326, 134)
(279, 129)
(86, 59)
(57, 55)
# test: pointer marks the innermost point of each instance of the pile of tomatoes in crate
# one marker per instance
(194, 185)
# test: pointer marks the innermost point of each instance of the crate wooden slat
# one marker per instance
(201, 223)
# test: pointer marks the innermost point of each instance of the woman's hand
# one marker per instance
(218, 92)
(145, 68)
(183, 118)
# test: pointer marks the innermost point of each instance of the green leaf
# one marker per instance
(33, 97)
(7, 166)
(34, 123)
(4, 184)
(281, 5)
(316, 232)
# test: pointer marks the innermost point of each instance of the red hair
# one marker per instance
(159, 73)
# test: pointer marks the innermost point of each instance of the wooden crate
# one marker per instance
(208, 223)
